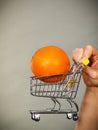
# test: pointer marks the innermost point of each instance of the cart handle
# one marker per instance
(85, 61)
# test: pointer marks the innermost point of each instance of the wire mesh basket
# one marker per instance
(60, 89)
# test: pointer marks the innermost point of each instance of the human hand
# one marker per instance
(88, 115)
(90, 72)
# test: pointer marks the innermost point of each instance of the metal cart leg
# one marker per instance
(55, 101)
(73, 114)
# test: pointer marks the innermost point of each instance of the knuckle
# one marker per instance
(89, 46)
(95, 75)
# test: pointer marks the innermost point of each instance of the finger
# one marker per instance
(77, 54)
(90, 51)
(91, 72)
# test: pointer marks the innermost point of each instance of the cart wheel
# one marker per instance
(69, 115)
(75, 117)
(35, 117)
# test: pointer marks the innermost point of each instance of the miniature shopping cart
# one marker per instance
(65, 89)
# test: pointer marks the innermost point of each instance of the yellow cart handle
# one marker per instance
(85, 61)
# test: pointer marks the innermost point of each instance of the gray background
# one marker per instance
(26, 25)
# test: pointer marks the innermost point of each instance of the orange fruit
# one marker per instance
(50, 60)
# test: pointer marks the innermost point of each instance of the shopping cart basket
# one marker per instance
(65, 89)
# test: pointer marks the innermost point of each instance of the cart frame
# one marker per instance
(65, 89)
